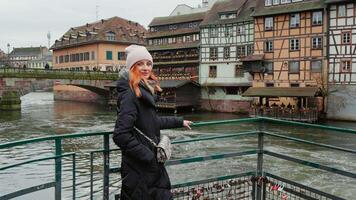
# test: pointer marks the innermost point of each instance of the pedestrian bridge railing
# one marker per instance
(57, 74)
(256, 183)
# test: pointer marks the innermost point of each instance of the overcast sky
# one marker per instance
(27, 22)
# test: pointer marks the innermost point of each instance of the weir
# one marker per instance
(255, 183)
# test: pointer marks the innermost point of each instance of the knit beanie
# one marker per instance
(135, 53)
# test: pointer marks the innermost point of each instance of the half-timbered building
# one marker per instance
(289, 52)
(226, 36)
(342, 59)
(173, 42)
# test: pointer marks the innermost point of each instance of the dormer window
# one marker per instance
(268, 2)
(110, 36)
(228, 16)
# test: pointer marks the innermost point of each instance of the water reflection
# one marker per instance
(8, 116)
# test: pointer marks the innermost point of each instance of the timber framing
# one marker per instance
(342, 44)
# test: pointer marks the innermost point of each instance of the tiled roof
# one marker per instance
(27, 51)
(262, 10)
(158, 21)
(242, 8)
(172, 32)
(125, 31)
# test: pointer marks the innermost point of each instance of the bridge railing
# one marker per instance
(257, 179)
(57, 74)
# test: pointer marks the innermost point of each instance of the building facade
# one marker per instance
(97, 46)
(227, 35)
(342, 59)
(20, 57)
(173, 42)
(289, 52)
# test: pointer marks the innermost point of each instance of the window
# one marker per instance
(268, 46)
(110, 36)
(66, 58)
(239, 72)
(81, 57)
(285, 1)
(269, 84)
(121, 55)
(294, 44)
(56, 59)
(226, 52)
(213, 53)
(294, 67)
(212, 71)
(240, 30)
(249, 49)
(268, 23)
(317, 18)
(93, 55)
(269, 67)
(294, 84)
(346, 66)
(211, 90)
(294, 20)
(276, 2)
(316, 66)
(213, 32)
(317, 43)
(346, 37)
(240, 51)
(342, 11)
(268, 2)
(108, 55)
(86, 56)
(231, 90)
(228, 31)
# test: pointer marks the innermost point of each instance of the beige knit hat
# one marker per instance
(135, 53)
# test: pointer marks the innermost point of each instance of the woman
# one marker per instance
(142, 176)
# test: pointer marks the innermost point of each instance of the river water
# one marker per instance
(42, 116)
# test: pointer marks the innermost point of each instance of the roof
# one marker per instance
(172, 32)
(125, 31)
(28, 51)
(242, 8)
(252, 58)
(174, 83)
(159, 21)
(280, 92)
(232, 84)
(262, 10)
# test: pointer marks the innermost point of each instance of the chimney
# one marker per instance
(87, 25)
(205, 3)
(102, 21)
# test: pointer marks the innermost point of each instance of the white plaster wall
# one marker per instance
(342, 103)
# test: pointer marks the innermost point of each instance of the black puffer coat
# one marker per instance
(143, 177)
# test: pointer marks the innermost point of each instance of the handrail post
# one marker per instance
(106, 167)
(259, 184)
(58, 168)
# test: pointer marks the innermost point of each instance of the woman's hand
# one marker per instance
(187, 124)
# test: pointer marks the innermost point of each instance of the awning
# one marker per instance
(175, 83)
(228, 84)
(252, 58)
(280, 92)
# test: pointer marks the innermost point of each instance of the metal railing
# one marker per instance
(256, 183)
(310, 115)
(57, 74)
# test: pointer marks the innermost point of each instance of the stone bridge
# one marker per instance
(17, 82)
